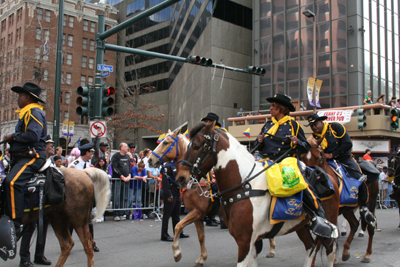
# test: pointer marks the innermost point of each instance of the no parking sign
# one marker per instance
(98, 128)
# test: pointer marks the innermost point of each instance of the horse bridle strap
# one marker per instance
(246, 193)
(176, 140)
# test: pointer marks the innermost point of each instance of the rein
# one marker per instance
(176, 141)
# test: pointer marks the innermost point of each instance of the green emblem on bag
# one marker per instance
(289, 177)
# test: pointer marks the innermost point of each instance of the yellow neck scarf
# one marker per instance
(276, 123)
(324, 143)
(27, 111)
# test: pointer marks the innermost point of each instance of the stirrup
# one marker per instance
(368, 216)
(323, 228)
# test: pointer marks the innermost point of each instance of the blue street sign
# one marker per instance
(102, 67)
(105, 74)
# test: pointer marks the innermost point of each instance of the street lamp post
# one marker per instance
(309, 14)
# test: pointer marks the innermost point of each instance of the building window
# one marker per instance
(10, 38)
(83, 80)
(47, 16)
(91, 45)
(84, 60)
(19, 14)
(38, 34)
(91, 63)
(11, 20)
(18, 34)
(45, 75)
(63, 39)
(92, 26)
(46, 35)
(67, 97)
(37, 53)
(3, 25)
(65, 20)
(69, 59)
(66, 116)
(70, 21)
(70, 40)
(85, 25)
(84, 43)
(90, 80)
(39, 14)
(68, 77)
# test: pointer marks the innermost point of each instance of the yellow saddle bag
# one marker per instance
(285, 179)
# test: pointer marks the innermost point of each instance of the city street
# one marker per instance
(135, 243)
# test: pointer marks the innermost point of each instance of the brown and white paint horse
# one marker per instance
(174, 147)
(248, 219)
(315, 157)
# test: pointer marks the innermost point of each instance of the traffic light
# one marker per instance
(361, 118)
(200, 60)
(256, 70)
(394, 119)
(82, 101)
(107, 101)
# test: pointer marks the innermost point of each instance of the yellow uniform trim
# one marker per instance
(12, 187)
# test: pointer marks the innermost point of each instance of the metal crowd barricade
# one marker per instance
(147, 198)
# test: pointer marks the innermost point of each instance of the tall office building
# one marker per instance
(357, 50)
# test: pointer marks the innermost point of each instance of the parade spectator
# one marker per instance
(368, 98)
(172, 202)
(392, 102)
(58, 161)
(75, 153)
(367, 156)
(383, 185)
(6, 160)
(381, 99)
(146, 154)
(135, 157)
(141, 155)
(398, 103)
(102, 164)
(139, 174)
(103, 151)
(154, 175)
(120, 163)
(59, 153)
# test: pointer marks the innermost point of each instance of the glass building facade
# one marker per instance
(286, 49)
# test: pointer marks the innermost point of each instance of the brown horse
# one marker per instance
(395, 164)
(81, 188)
(240, 178)
(315, 157)
(174, 147)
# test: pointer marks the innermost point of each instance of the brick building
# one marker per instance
(28, 41)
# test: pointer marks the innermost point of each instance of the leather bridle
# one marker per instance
(176, 141)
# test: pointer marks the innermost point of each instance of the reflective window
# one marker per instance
(306, 41)
(367, 83)
(375, 66)
(396, 23)
(390, 89)
(383, 89)
(339, 84)
(326, 87)
(375, 38)
(265, 8)
(266, 79)
(135, 7)
(278, 6)
(366, 35)
(266, 50)
(291, 4)
(323, 38)
(396, 7)
(375, 87)
(389, 4)
(367, 62)
(397, 73)
(339, 61)
(292, 43)
(339, 34)
(306, 67)
(338, 9)
(323, 11)
(382, 15)
(304, 2)
(265, 91)
(279, 72)
(279, 88)
(390, 70)
(366, 9)
(396, 51)
(279, 23)
(305, 21)
(293, 69)
(293, 89)
(339, 101)
(292, 20)
(279, 47)
(382, 41)
(389, 20)
(383, 67)
(374, 12)
(265, 25)
(323, 64)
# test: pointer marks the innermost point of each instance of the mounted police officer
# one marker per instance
(337, 146)
(27, 148)
(213, 117)
(280, 135)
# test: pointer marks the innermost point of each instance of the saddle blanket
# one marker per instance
(287, 208)
(349, 186)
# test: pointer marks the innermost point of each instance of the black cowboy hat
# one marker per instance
(313, 118)
(212, 117)
(282, 99)
(30, 89)
(103, 144)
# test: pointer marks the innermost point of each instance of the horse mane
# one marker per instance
(197, 128)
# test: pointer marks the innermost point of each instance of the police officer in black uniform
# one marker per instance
(172, 201)
(337, 146)
(27, 148)
(278, 136)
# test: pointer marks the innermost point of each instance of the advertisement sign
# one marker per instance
(310, 89)
(318, 85)
(342, 116)
(376, 146)
(68, 128)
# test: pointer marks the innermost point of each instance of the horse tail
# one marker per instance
(102, 190)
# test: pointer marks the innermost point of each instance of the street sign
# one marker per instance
(68, 128)
(342, 116)
(105, 74)
(102, 67)
(98, 128)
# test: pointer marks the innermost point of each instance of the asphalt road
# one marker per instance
(135, 243)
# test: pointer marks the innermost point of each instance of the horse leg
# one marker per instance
(247, 251)
(305, 236)
(200, 233)
(272, 246)
(373, 193)
(192, 216)
(353, 222)
(60, 227)
(87, 241)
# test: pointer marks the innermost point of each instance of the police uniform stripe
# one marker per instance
(12, 186)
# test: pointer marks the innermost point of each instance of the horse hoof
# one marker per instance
(366, 260)
(336, 261)
(345, 257)
(270, 255)
(178, 257)
(198, 264)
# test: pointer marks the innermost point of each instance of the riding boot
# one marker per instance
(320, 226)
(366, 216)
